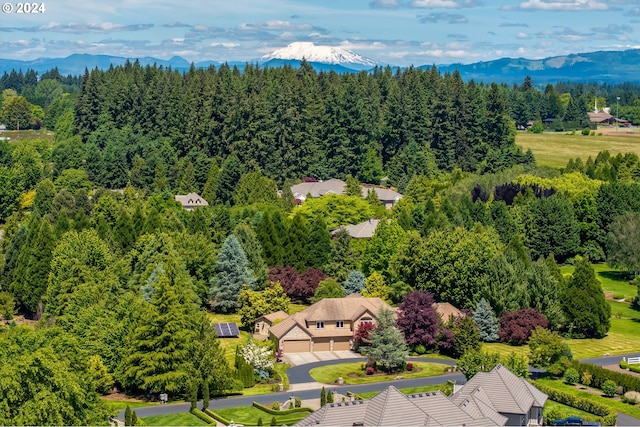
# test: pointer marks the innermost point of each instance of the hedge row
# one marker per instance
(203, 416)
(599, 375)
(286, 412)
(217, 417)
(609, 416)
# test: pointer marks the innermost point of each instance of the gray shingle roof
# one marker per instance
(503, 390)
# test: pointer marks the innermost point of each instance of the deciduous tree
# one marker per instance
(418, 320)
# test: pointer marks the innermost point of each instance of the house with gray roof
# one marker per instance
(510, 395)
(495, 398)
(364, 230)
(387, 196)
(191, 201)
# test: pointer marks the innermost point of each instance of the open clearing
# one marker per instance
(554, 149)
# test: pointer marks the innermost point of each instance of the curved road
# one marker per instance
(300, 374)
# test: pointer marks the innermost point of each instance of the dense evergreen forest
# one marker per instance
(106, 274)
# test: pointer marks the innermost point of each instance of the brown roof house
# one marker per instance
(445, 310)
(262, 324)
(190, 201)
(364, 230)
(495, 398)
(328, 325)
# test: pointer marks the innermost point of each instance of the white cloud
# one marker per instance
(565, 5)
(522, 35)
(448, 4)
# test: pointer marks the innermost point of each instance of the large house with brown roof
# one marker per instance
(495, 398)
(191, 201)
(328, 325)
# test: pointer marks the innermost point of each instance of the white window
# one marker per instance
(340, 324)
(320, 325)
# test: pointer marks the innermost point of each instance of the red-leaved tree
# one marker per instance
(516, 326)
(362, 333)
(299, 287)
(418, 319)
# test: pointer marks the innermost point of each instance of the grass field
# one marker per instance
(181, 419)
(248, 415)
(118, 405)
(330, 373)
(15, 136)
(612, 280)
(554, 149)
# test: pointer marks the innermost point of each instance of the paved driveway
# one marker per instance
(296, 359)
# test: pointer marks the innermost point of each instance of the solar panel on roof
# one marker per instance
(225, 330)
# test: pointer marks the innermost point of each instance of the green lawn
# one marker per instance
(330, 373)
(248, 415)
(554, 149)
(181, 419)
(16, 136)
(618, 405)
(118, 405)
(612, 280)
(623, 337)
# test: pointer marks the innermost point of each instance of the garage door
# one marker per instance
(322, 344)
(296, 346)
(341, 344)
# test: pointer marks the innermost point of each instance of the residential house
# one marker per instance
(512, 396)
(364, 230)
(387, 196)
(495, 398)
(191, 201)
(328, 325)
(392, 408)
(262, 324)
(445, 310)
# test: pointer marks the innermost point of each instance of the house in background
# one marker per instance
(387, 196)
(191, 201)
(328, 325)
(495, 398)
(364, 230)
(445, 310)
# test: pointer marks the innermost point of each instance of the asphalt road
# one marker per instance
(300, 374)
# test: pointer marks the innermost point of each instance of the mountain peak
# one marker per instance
(324, 54)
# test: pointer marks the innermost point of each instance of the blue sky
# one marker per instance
(398, 32)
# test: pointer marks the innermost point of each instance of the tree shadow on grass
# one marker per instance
(622, 276)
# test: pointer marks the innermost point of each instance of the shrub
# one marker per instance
(370, 370)
(634, 368)
(586, 131)
(586, 378)
(274, 422)
(618, 296)
(298, 402)
(600, 375)
(624, 364)
(516, 326)
(409, 366)
(420, 349)
(571, 376)
(609, 388)
(608, 415)
(275, 406)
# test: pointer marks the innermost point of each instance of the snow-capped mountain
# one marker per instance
(321, 54)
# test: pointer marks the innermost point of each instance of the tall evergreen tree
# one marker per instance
(297, 237)
(161, 347)
(486, 321)
(355, 282)
(343, 258)
(587, 313)
(232, 271)
(318, 245)
(228, 180)
(388, 347)
(253, 250)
